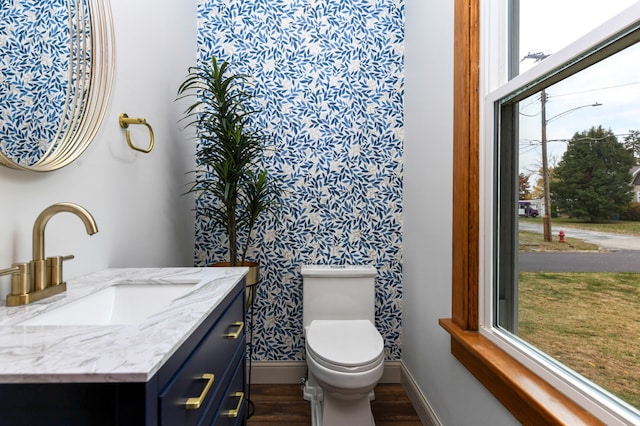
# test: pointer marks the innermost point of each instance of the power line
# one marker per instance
(530, 115)
(533, 143)
(596, 89)
(533, 101)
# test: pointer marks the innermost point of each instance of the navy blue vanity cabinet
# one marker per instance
(216, 348)
(197, 391)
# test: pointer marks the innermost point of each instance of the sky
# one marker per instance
(547, 26)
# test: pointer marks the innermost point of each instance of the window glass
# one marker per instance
(574, 293)
(544, 27)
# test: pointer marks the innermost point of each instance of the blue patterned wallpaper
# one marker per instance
(329, 77)
(35, 79)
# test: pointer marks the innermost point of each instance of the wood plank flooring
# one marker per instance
(284, 405)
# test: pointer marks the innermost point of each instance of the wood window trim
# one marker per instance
(527, 396)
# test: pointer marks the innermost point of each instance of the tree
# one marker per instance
(538, 189)
(592, 181)
(632, 143)
(524, 192)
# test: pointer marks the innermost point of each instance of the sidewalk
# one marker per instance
(602, 239)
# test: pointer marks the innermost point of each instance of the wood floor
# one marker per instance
(284, 405)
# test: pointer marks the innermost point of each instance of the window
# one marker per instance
(491, 167)
(569, 316)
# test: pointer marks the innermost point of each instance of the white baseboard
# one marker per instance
(292, 372)
(420, 403)
(277, 372)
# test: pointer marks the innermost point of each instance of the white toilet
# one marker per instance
(345, 352)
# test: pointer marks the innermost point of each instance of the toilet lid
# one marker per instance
(348, 343)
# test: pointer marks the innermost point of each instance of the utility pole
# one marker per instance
(546, 220)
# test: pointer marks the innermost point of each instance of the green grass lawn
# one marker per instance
(531, 241)
(588, 321)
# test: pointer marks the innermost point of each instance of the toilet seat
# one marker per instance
(345, 345)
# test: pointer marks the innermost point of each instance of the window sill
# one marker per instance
(529, 398)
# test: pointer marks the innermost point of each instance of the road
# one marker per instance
(622, 255)
(617, 261)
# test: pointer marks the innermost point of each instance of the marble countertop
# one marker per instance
(108, 353)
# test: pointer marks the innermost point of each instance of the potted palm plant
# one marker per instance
(229, 177)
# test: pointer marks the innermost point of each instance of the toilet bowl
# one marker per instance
(345, 359)
(344, 350)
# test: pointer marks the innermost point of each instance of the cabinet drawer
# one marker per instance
(199, 379)
(233, 407)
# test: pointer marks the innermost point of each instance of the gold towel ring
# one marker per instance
(124, 121)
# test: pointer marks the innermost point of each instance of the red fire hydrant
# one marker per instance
(561, 235)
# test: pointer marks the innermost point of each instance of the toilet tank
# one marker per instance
(338, 292)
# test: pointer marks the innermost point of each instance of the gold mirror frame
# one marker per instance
(93, 80)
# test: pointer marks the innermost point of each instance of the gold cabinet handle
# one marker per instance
(195, 403)
(235, 334)
(234, 413)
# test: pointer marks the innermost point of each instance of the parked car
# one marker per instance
(525, 209)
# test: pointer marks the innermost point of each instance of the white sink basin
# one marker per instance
(115, 305)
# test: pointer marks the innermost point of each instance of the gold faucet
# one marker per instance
(42, 277)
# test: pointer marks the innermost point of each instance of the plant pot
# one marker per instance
(252, 278)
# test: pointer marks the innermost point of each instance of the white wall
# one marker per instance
(455, 395)
(135, 198)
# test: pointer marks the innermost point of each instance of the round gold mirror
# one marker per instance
(56, 72)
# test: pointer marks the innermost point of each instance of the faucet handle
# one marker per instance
(8, 271)
(54, 265)
(20, 282)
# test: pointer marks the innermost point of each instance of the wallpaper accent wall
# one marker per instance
(329, 77)
(36, 82)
